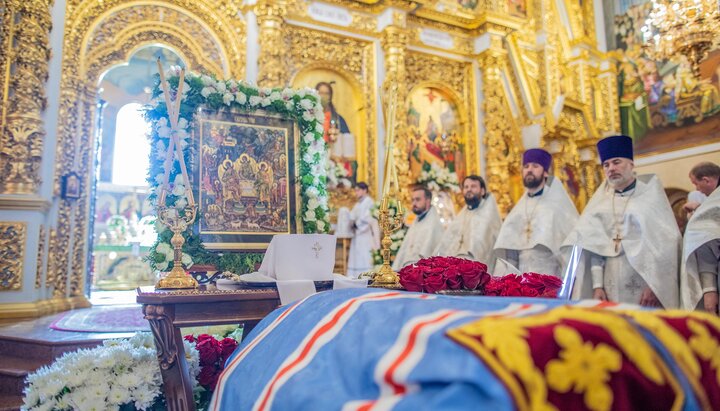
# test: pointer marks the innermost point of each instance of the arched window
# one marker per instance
(131, 154)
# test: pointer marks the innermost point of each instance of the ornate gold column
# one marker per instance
(272, 70)
(499, 133)
(607, 106)
(24, 64)
(394, 40)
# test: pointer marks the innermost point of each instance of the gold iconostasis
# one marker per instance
(478, 82)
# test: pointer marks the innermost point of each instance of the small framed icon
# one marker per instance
(71, 186)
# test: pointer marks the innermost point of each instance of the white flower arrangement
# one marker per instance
(301, 105)
(120, 373)
(337, 175)
(438, 178)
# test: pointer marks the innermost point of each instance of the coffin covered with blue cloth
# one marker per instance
(375, 349)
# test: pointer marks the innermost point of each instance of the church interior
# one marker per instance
(176, 174)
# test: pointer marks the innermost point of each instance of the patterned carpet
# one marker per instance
(108, 318)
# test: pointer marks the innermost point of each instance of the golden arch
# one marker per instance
(82, 65)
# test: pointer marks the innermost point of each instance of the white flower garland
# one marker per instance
(438, 178)
(301, 105)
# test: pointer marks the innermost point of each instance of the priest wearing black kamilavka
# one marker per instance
(629, 235)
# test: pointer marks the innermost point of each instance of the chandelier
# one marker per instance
(685, 27)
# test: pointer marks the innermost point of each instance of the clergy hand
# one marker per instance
(599, 294)
(710, 301)
(648, 298)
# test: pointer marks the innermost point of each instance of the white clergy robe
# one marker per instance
(533, 231)
(364, 238)
(473, 231)
(701, 249)
(421, 239)
(630, 241)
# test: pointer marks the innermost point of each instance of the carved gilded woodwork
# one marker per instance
(24, 64)
(39, 264)
(394, 43)
(360, 21)
(271, 64)
(502, 137)
(576, 164)
(209, 37)
(354, 59)
(454, 77)
(12, 254)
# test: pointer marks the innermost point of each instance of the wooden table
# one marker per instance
(169, 310)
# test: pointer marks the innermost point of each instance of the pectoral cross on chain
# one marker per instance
(528, 231)
(617, 240)
(316, 247)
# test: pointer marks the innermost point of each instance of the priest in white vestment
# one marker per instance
(629, 235)
(701, 247)
(474, 230)
(365, 238)
(424, 234)
(531, 235)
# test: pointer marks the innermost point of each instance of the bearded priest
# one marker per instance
(424, 234)
(701, 245)
(475, 229)
(531, 235)
(628, 232)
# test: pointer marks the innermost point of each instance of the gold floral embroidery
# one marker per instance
(583, 368)
(501, 341)
(705, 346)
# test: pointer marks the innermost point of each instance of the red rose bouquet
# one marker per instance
(213, 354)
(526, 285)
(433, 274)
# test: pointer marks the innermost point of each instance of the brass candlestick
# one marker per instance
(177, 277)
(385, 276)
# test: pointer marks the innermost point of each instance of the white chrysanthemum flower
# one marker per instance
(309, 138)
(220, 86)
(206, 91)
(181, 204)
(287, 93)
(240, 97)
(255, 100)
(178, 190)
(164, 248)
(312, 192)
(207, 80)
(306, 104)
(320, 225)
(228, 98)
(319, 128)
(162, 266)
(308, 116)
(302, 92)
(310, 215)
(265, 91)
(274, 96)
(265, 101)
(182, 123)
(187, 260)
(289, 105)
(232, 85)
